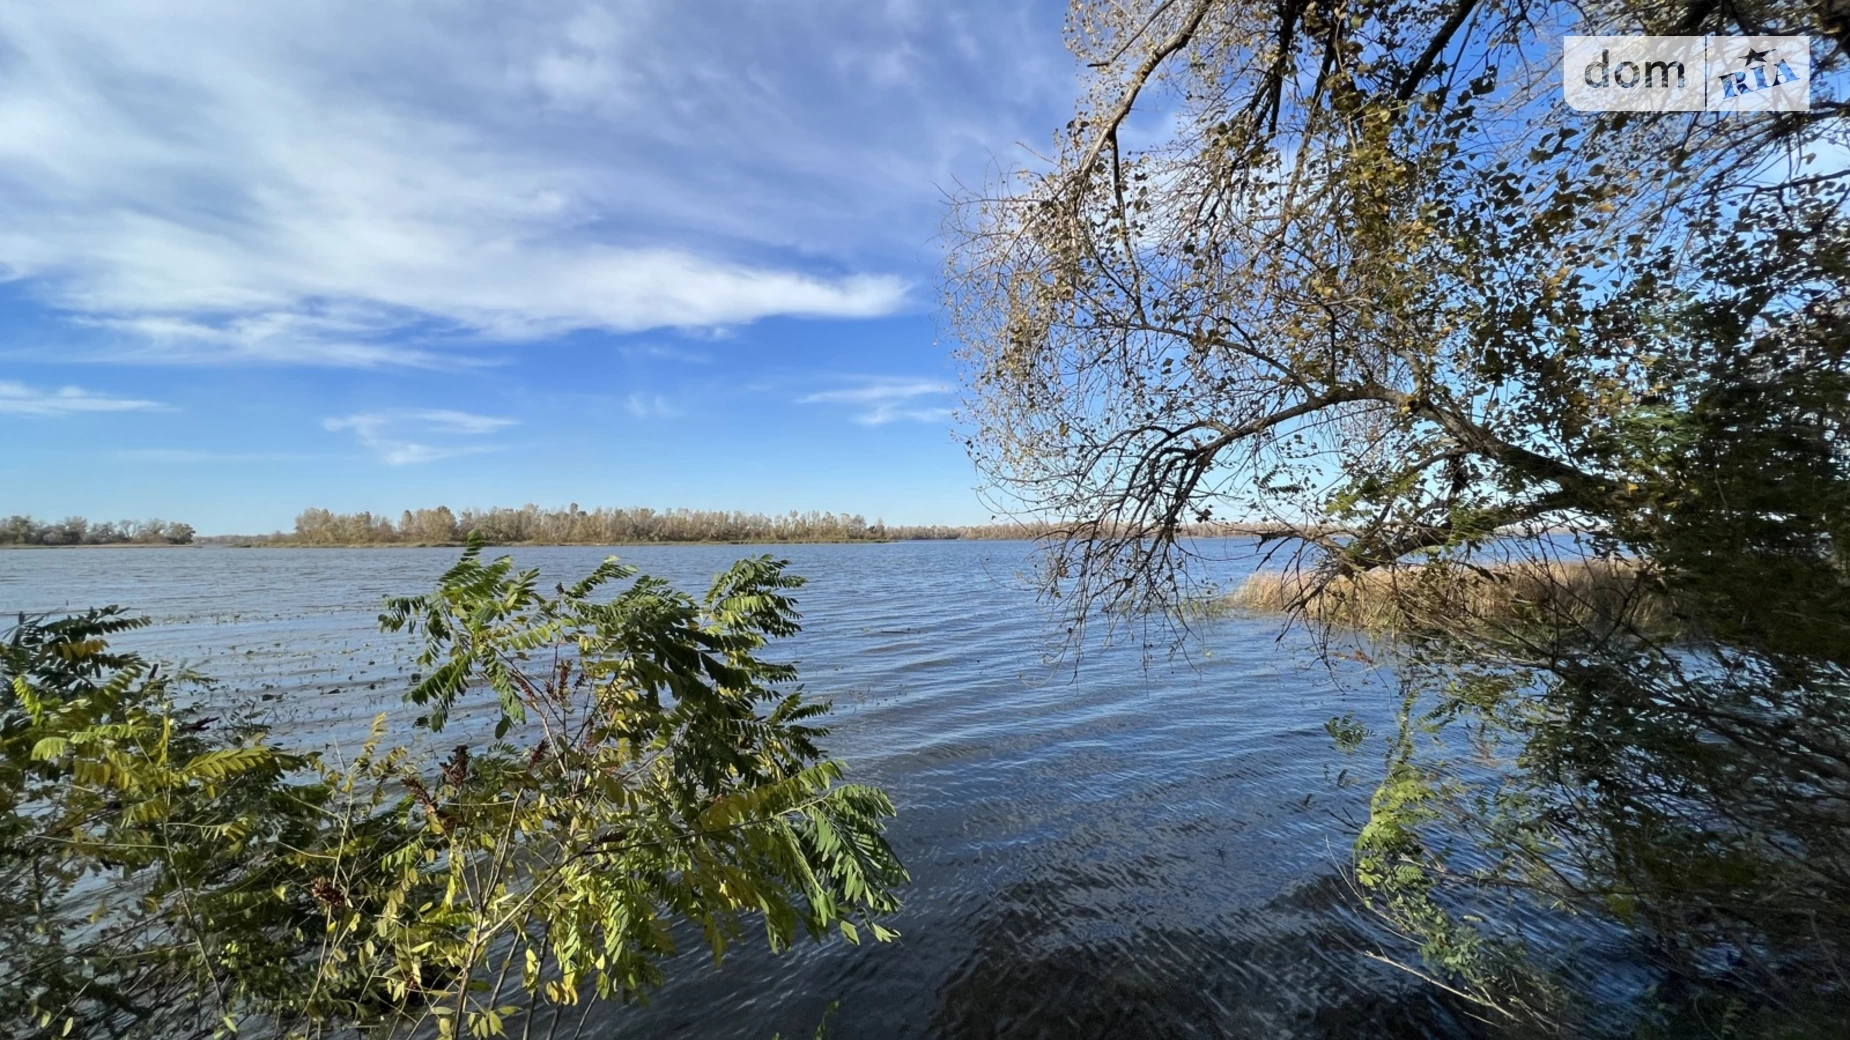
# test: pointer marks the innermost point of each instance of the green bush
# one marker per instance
(165, 873)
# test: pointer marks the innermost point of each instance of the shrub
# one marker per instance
(167, 873)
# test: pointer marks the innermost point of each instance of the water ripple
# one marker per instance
(1130, 851)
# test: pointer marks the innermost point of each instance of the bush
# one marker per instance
(166, 873)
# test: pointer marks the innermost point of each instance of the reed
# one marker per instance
(1598, 596)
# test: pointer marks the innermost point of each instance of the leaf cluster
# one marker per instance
(650, 778)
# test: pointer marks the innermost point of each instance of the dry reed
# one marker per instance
(1598, 596)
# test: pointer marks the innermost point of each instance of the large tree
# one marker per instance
(1358, 266)
(1354, 270)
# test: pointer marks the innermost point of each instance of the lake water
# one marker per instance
(1114, 848)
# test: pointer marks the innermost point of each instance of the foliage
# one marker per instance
(171, 874)
(572, 526)
(1377, 280)
(75, 530)
(1695, 802)
(1370, 280)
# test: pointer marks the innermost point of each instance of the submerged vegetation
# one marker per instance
(625, 772)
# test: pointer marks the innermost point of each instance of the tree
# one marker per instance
(23, 530)
(169, 874)
(72, 530)
(1371, 282)
(1378, 278)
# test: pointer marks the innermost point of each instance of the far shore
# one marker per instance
(1230, 531)
(583, 545)
(109, 545)
(260, 542)
(1261, 531)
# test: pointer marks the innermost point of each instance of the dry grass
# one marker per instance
(1593, 595)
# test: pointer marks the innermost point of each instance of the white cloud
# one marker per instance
(270, 339)
(341, 183)
(447, 421)
(185, 455)
(667, 353)
(383, 433)
(887, 400)
(19, 399)
(881, 414)
(878, 391)
(651, 406)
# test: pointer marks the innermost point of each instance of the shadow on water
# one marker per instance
(1289, 968)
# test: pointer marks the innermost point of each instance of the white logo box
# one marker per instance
(1687, 73)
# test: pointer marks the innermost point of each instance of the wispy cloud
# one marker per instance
(447, 421)
(385, 433)
(267, 339)
(659, 352)
(650, 406)
(190, 179)
(19, 399)
(885, 400)
(181, 456)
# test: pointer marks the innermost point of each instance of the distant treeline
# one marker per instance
(75, 530)
(574, 526)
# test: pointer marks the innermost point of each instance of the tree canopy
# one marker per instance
(1357, 270)
(75, 530)
(1358, 267)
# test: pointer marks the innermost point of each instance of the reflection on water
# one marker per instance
(1128, 851)
(1289, 966)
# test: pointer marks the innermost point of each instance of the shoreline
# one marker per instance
(210, 542)
(1260, 531)
(501, 545)
(583, 545)
(4, 546)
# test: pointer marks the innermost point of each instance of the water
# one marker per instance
(1124, 849)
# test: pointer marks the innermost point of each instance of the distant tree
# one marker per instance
(72, 530)
(575, 526)
(23, 530)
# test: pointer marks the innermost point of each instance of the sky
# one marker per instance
(396, 253)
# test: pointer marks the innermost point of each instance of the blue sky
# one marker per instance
(378, 255)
